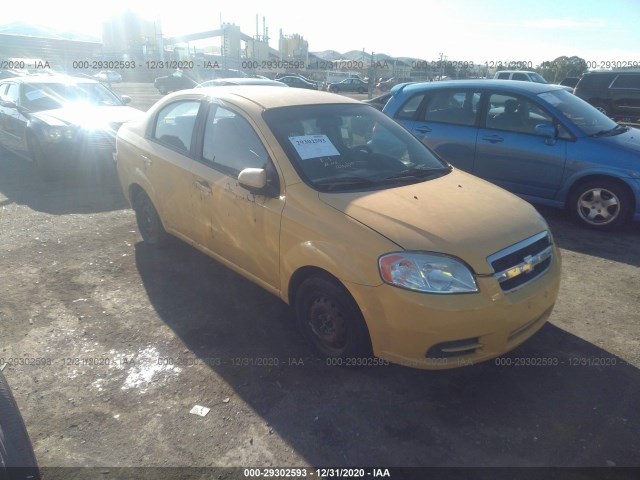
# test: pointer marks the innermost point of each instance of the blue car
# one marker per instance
(538, 141)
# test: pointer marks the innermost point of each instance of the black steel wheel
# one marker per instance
(149, 223)
(331, 320)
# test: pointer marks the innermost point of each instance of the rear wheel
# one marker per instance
(149, 223)
(600, 204)
(330, 319)
(361, 90)
(15, 446)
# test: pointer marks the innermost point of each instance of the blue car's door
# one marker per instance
(445, 121)
(511, 154)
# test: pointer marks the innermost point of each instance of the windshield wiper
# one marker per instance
(618, 129)
(349, 181)
(419, 173)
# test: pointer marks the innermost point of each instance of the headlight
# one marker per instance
(426, 272)
(55, 134)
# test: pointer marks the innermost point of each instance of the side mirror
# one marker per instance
(8, 104)
(548, 131)
(254, 180)
(126, 99)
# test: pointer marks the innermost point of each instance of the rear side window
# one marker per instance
(457, 107)
(503, 76)
(175, 124)
(627, 81)
(520, 76)
(410, 108)
(595, 81)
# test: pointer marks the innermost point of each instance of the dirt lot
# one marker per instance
(128, 340)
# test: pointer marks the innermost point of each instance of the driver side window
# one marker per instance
(231, 144)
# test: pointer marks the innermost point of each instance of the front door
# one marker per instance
(234, 224)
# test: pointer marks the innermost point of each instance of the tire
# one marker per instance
(330, 319)
(44, 167)
(360, 90)
(602, 108)
(149, 223)
(15, 446)
(600, 204)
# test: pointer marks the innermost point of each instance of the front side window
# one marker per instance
(515, 114)
(520, 76)
(452, 106)
(231, 144)
(345, 147)
(175, 124)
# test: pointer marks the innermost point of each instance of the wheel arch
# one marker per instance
(596, 177)
(302, 274)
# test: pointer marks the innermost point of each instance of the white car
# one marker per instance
(108, 76)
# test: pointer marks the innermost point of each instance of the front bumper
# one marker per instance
(435, 331)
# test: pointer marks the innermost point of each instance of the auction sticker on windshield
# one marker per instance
(313, 146)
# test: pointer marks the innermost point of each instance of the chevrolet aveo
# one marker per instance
(395, 254)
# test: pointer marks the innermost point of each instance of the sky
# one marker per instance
(463, 30)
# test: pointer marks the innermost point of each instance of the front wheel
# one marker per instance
(600, 204)
(601, 107)
(15, 446)
(330, 319)
(42, 163)
(149, 223)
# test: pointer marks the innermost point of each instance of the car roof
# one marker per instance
(244, 81)
(62, 79)
(513, 86)
(268, 96)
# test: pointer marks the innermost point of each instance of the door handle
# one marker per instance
(147, 161)
(203, 186)
(423, 129)
(493, 138)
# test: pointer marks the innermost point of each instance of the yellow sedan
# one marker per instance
(386, 252)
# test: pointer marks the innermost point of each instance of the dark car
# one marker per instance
(536, 140)
(349, 85)
(223, 82)
(298, 82)
(172, 83)
(17, 459)
(570, 82)
(614, 93)
(379, 102)
(56, 120)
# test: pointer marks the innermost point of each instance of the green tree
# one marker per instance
(555, 71)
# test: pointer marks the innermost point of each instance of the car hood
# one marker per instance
(456, 214)
(629, 140)
(89, 116)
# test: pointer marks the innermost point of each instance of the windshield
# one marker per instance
(348, 147)
(584, 116)
(537, 78)
(49, 96)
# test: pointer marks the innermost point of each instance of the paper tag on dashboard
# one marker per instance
(313, 146)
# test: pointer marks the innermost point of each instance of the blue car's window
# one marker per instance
(452, 106)
(580, 113)
(515, 114)
(347, 147)
(410, 108)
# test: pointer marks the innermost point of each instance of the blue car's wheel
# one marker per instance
(600, 204)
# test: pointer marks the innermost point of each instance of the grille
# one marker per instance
(520, 263)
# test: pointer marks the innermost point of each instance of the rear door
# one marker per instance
(445, 120)
(167, 161)
(511, 154)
